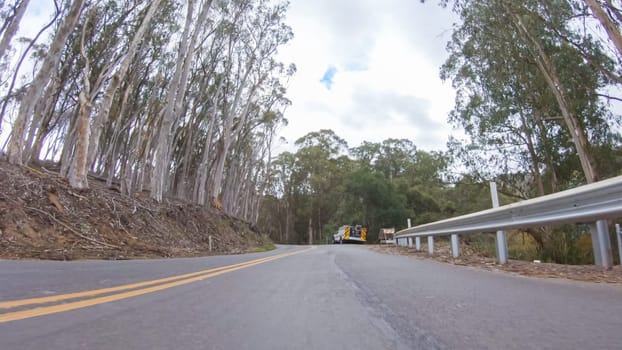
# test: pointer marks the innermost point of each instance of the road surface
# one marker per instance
(327, 297)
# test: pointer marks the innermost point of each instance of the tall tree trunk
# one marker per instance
(67, 152)
(16, 143)
(535, 162)
(203, 171)
(77, 172)
(546, 142)
(20, 62)
(549, 72)
(310, 231)
(287, 221)
(44, 110)
(610, 27)
(11, 29)
(78, 168)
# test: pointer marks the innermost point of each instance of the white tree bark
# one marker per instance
(610, 27)
(16, 143)
(78, 168)
(77, 171)
(203, 172)
(310, 231)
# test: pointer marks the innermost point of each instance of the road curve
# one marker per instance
(329, 297)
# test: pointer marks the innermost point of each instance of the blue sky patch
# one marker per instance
(327, 79)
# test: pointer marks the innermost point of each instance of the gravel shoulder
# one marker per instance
(469, 258)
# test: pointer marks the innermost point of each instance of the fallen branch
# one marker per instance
(34, 170)
(77, 195)
(73, 230)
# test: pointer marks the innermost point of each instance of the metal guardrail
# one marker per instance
(585, 204)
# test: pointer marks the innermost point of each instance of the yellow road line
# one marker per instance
(89, 293)
(19, 315)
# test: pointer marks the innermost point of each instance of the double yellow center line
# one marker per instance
(119, 292)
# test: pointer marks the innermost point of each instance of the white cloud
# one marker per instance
(387, 55)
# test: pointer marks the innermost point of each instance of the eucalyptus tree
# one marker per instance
(253, 152)
(251, 64)
(515, 75)
(366, 154)
(319, 172)
(283, 187)
(11, 94)
(395, 156)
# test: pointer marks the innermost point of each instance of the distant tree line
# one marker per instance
(325, 184)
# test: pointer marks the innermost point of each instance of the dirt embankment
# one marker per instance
(42, 217)
(470, 257)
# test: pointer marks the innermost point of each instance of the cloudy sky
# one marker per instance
(369, 70)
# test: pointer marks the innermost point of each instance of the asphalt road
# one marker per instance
(329, 297)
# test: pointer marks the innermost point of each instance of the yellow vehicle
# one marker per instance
(350, 234)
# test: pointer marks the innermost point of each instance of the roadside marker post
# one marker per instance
(431, 245)
(619, 237)
(418, 243)
(502, 245)
(455, 246)
(409, 240)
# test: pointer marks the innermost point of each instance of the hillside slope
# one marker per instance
(42, 217)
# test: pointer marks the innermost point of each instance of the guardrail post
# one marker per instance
(502, 248)
(455, 247)
(431, 245)
(619, 237)
(601, 244)
(409, 240)
(418, 244)
(502, 245)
